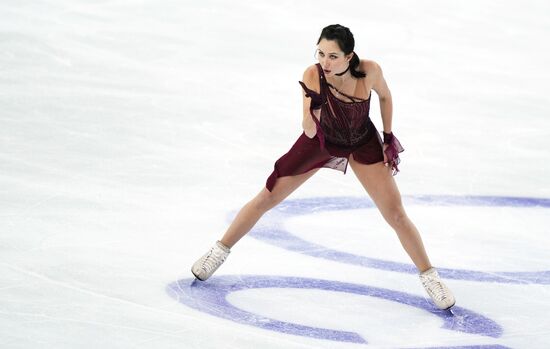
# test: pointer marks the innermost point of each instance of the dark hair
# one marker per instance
(343, 36)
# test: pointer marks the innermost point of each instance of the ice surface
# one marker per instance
(130, 130)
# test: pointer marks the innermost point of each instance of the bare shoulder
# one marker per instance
(375, 78)
(311, 78)
(370, 67)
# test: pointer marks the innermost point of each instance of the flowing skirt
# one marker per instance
(307, 154)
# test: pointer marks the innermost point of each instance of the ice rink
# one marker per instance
(132, 131)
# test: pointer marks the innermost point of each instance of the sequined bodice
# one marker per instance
(342, 123)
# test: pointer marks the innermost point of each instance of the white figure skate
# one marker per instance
(210, 262)
(438, 291)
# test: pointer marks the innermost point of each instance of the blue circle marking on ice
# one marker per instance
(274, 233)
(211, 297)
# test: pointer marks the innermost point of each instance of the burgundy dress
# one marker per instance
(344, 128)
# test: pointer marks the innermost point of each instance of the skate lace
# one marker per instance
(435, 288)
(213, 260)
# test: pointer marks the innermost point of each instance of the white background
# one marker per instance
(129, 130)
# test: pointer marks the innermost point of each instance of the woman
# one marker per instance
(338, 131)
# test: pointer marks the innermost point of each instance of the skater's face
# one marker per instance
(331, 57)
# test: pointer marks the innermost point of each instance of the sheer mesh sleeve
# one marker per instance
(316, 103)
(392, 151)
(316, 98)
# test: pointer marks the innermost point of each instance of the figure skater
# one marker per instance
(337, 93)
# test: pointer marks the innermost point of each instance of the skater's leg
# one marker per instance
(260, 204)
(381, 187)
(247, 217)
